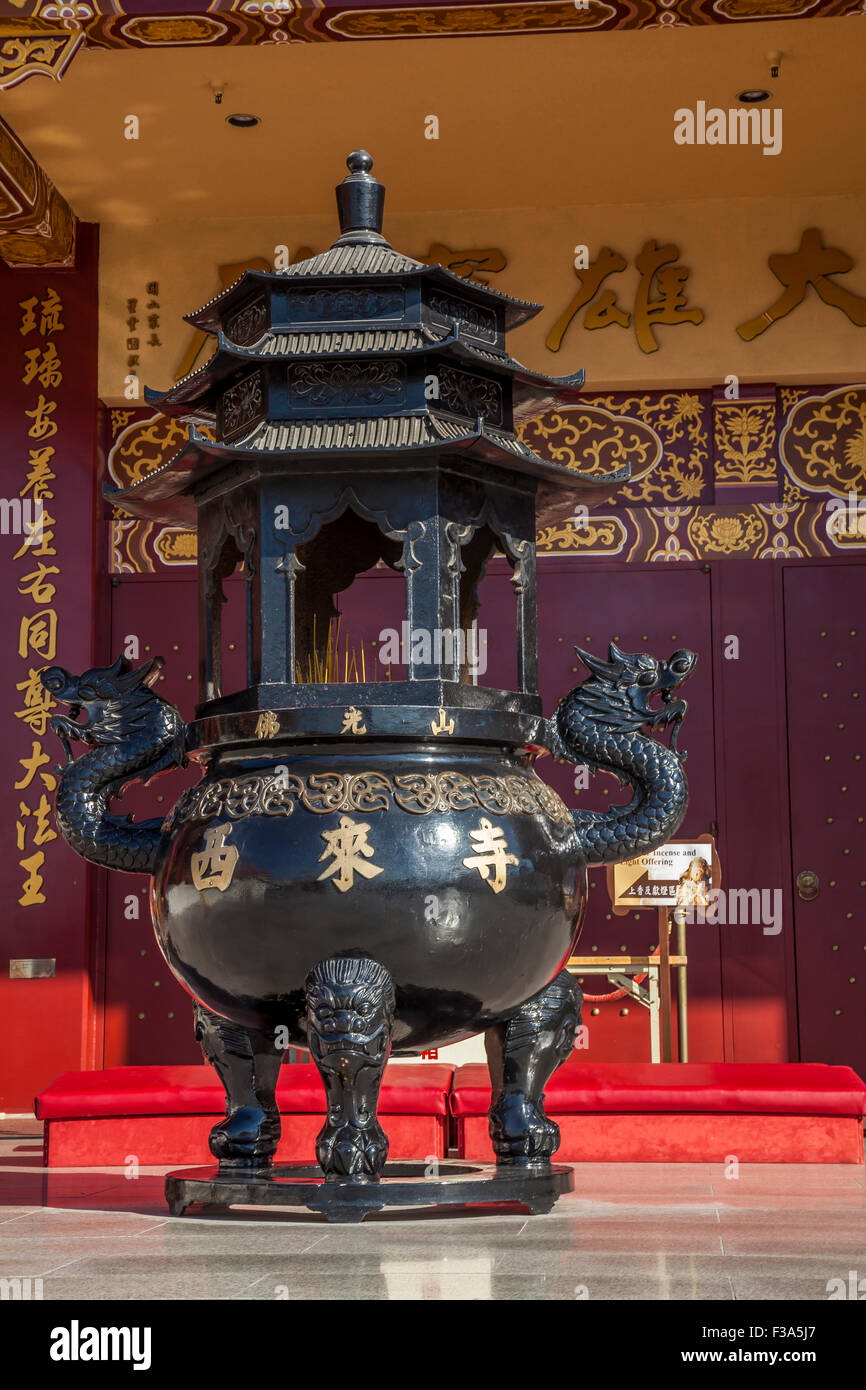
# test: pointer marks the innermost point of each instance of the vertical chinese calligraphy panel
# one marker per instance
(48, 335)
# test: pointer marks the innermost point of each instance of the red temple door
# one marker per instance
(826, 685)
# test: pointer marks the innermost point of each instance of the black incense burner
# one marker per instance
(367, 866)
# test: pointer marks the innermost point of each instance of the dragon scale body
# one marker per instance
(133, 735)
(652, 816)
(598, 724)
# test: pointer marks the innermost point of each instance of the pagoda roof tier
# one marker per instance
(166, 495)
(364, 341)
(377, 264)
(534, 391)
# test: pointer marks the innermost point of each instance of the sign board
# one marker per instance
(32, 969)
(681, 873)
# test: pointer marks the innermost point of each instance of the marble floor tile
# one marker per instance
(627, 1232)
(52, 1223)
(512, 1287)
(216, 1285)
(607, 1264)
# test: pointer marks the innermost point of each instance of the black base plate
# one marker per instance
(456, 1184)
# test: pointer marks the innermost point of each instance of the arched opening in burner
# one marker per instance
(348, 591)
(494, 601)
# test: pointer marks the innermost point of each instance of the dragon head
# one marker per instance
(100, 683)
(130, 734)
(103, 692)
(619, 690)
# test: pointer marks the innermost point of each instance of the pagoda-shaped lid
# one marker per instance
(360, 250)
(352, 358)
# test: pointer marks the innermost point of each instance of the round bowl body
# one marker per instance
(457, 871)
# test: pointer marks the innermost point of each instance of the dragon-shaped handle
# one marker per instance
(132, 735)
(598, 724)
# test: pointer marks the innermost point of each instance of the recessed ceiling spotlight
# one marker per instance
(752, 95)
(242, 120)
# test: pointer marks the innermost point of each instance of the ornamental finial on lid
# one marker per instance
(360, 203)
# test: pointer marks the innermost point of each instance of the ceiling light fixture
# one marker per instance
(752, 95)
(243, 121)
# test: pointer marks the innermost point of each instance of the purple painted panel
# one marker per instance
(824, 625)
(751, 760)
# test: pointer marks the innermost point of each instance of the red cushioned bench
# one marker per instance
(164, 1114)
(701, 1112)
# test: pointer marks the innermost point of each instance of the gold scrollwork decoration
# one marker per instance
(664, 436)
(679, 418)
(823, 443)
(326, 791)
(323, 793)
(791, 396)
(31, 46)
(163, 30)
(763, 9)
(143, 447)
(421, 793)
(433, 21)
(522, 794)
(594, 536)
(456, 792)
(368, 791)
(277, 792)
(493, 795)
(242, 798)
(595, 440)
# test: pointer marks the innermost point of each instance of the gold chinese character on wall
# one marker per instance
(660, 299)
(813, 264)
